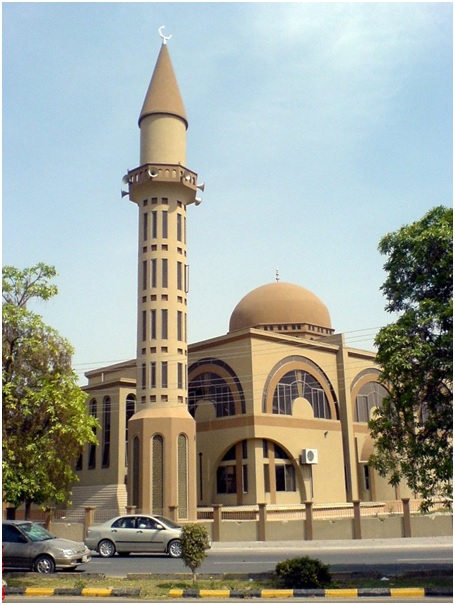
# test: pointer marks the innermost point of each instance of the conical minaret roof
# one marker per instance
(163, 94)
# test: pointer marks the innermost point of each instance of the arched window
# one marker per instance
(130, 409)
(182, 480)
(211, 387)
(106, 432)
(136, 467)
(299, 383)
(233, 462)
(157, 474)
(214, 381)
(280, 465)
(370, 396)
(92, 450)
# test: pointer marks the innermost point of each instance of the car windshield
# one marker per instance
(35, 532)
(168, 522)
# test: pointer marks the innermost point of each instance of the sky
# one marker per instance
(316, 127)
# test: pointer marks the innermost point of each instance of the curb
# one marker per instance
(316, 592)
(84, 592)
(238, 594)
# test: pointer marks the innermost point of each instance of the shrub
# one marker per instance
(195, 542)
(303, 572)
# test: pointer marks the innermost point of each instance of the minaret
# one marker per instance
(162, 433)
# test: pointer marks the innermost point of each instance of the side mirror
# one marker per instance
(159, 526)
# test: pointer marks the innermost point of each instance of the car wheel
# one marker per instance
(44, 564)
(106, 549)
(175, 549)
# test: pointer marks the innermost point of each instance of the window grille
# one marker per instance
(157, 474)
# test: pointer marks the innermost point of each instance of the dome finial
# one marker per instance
(165, 38)
(277, 274)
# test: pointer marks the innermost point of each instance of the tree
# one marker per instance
(45, 421)
(413, 428)
(195, 542)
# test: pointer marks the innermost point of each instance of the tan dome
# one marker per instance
(279, 303)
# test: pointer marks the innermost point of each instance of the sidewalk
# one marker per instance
(310, 545)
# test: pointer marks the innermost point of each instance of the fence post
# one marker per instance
(173, 512)
(406, 518)
(262, 522)
(89, 518)
(216, 522)
(48, 517)
(357, 520)
(308, 520)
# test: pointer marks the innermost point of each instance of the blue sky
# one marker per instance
(317, 128)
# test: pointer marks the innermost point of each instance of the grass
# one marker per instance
(159, 588)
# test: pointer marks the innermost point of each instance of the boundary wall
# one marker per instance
(348, 521)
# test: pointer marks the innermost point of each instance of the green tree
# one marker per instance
(413, 429)
(195, 543)
(45, 421)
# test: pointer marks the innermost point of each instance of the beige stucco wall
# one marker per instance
(257, 359)
(334, 529)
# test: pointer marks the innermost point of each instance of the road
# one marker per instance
(380, 556)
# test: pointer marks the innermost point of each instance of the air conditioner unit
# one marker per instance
(309, 456)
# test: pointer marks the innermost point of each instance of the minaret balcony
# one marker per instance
(160, 173)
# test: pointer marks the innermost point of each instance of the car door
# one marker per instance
(16, 548)
(149, 537)
(124, 535)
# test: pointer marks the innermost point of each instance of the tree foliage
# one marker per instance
(195, 543)
(45, 422)
(414, 427)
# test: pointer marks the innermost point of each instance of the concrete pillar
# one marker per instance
(308, 520)
(262, 522)
(216, 537)
(130, 509)
(357, 520)
(48, 517)
(89, 518)
(10, 513)
(407, 533)
(173, 508)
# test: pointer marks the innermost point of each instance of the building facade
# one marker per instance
(275, 411)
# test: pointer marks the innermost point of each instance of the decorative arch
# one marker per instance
(367, 393)
(214, 380)
(308, 376)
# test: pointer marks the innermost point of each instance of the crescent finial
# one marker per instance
(165, 38)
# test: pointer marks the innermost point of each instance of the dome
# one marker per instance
(280, 304)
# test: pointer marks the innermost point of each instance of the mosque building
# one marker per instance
(275, 411)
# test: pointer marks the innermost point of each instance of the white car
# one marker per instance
(135, 533)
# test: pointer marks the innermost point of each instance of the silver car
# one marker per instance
(135, 533)
(27, 545)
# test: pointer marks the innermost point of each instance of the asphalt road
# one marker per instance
(380, 556)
